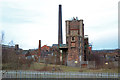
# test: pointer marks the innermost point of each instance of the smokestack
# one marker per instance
(60, 40)
(39, 48)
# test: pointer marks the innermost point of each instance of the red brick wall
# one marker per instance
(73, 30)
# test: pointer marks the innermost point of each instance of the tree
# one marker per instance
(9, 58)
(2, 37)
(11, 43)
(99, 61)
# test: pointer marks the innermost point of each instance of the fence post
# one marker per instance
(101, 75)
(65, 74)
(20, 74)
(16, 73)
(107, 74)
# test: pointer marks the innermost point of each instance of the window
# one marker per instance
(72, 44)
(74, 32)
(73, 38)
(46, 50)
(80, 38)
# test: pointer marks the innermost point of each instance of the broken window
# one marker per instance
(72, 44)
(73, 38)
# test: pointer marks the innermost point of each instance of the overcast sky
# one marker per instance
(28, 21)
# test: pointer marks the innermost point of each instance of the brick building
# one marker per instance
(75, 40)
(45, 50)
(76, 50)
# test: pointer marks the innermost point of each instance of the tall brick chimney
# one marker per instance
(60, 39)
(39, 48)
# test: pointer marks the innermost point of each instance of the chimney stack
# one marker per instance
(60, 39)
(39, 48)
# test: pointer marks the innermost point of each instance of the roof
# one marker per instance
(55, 45)
(45, 46)
(7, 46)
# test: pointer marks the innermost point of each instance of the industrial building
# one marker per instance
(77, 46)
(75, 50)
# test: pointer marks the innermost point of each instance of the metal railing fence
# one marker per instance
(37, 74)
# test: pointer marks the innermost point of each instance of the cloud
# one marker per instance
(13, 12)
(105, 38)
(27, 21)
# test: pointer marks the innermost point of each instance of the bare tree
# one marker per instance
(1, 42)
(11, 43)
(99, 61)
(2, 37)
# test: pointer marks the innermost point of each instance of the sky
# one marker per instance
(25, 22)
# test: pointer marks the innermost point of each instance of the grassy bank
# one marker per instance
(57, 68)
(62, 68)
